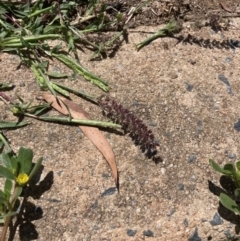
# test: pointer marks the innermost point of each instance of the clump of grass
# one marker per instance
(131, 124)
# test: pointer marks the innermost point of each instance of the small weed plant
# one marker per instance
(232, 171)
(17, 170)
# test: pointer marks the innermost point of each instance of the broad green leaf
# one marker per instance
(8, 188)
(229, 168)
(6, 124)
(5, 159)
(14, 164)
(4, 172)
(9, 161)
(238, 165)
(36, 167)
(217, 168)
(229, 203)
(2, 194)
(25, 156)
(4, 201)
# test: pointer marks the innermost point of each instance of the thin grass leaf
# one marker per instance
(171, 28)
(79, 122)
(56, 75)
(6, 124)
(78, 93)
(82, 71)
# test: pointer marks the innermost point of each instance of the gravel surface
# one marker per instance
(188, 95)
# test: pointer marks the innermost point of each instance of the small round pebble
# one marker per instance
(180, 186)
(131, 232)
(191, 158)
(148, 233)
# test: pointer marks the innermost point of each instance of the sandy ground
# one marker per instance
(181, 92)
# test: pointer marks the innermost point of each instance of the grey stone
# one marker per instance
(148, 233)
(109, 191)
(194, 236)
(216, 220)
(131, 232)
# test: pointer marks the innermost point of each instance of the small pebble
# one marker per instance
(153, 123)
(95, 227)
(191, 158)
(148, 233)
(194, 236)
(237, 125)
(216, 220)
(185, 222)
(135, 103)
(171, 212)
(232, 156)
(228, 234)
(180, 186)
(95, 205)
(224, 79)
(131, 232)
(228, 60)
(234, 43)
(109, 191)
(189, 87)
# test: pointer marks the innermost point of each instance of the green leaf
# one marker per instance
(2, 194)
(15, 165)
(238, 165)
(8, 188)
(229, 168)
(8, 215)
(17, 193)
(36, 167)
(9, 161)
(6, 124)
(217, 168)
(5, 159)
(25, 156)
(57, 75)
(38, 109)
(229, 203)
(4, 172)
(4, 201)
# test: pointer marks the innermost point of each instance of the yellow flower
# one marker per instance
(22, 179)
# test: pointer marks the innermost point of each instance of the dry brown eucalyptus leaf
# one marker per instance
(93, 133)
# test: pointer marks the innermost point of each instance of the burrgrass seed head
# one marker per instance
(131, 124)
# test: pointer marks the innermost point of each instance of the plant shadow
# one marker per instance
(206, 43)
(29, 211)
(227, 187)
